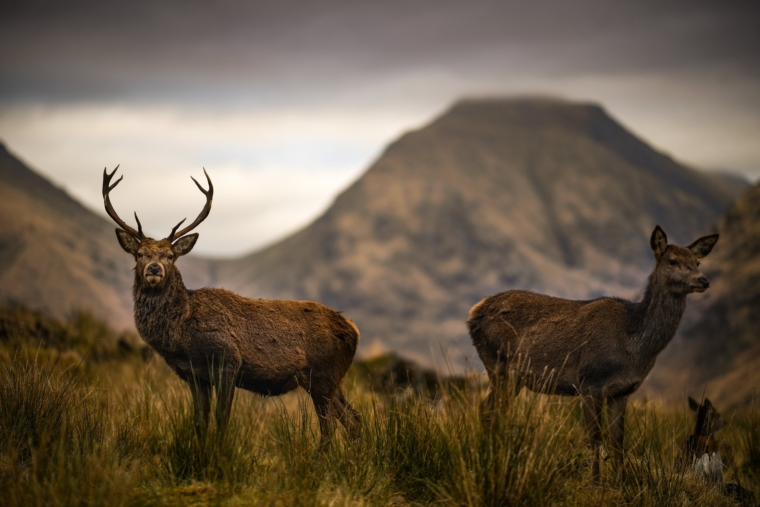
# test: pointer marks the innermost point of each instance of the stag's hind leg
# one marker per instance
(321, 396)
(347, 415)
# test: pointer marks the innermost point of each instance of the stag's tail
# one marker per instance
(475, 323)
(346, 331)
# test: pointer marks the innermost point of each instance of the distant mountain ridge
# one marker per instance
(56, 255)
(545, 195)
(551, 196)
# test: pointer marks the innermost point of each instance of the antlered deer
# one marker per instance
(216, 340)
(599, 350)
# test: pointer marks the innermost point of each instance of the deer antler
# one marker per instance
(204, 212)
(107, 187)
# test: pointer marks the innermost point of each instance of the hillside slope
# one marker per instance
(58, 256)
(495, 194)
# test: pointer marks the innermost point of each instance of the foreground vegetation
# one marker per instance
(87, 419)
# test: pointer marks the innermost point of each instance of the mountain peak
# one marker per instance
(527, 112)
(531, 193)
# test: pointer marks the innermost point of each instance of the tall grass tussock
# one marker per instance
(90, 421)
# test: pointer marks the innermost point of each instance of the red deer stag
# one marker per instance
(600, 349)
(216, 340)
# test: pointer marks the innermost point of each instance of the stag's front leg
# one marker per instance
(616, 422)
(592, 411)
(202, 406)
(224, 397)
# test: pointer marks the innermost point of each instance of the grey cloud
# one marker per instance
(273, 50)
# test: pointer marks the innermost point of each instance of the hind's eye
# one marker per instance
(673, 262)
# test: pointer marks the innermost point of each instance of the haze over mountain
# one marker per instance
(545, 195)
(717, 350)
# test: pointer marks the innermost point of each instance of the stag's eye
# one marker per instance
(139, 255)
(171, 257)
(673, 262)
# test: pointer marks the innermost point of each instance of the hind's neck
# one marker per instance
(656, 318)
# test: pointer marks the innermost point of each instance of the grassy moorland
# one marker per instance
(87, 419)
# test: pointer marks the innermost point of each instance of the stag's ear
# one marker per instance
(184, 244)
(658, 242)
(127, 241)
(693, 404)
(703, 245)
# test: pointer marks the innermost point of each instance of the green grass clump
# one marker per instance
(52, 432)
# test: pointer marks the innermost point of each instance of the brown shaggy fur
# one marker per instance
(216, 340)
(600, 349)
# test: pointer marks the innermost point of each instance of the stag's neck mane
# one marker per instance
(160, 311)
(655, 318)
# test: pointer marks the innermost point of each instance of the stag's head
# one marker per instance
(155, 258)
(678, 266)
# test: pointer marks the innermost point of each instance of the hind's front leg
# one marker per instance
(616, 422)
(592, 412)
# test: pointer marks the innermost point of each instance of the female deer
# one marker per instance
(600, 350)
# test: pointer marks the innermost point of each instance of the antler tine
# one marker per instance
(107, 187)
(174, 229)
(203, 214)
(139, 226)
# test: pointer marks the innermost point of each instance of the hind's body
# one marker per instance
(601, 349)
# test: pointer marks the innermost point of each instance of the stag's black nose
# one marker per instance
(705, 282)
(154, 269)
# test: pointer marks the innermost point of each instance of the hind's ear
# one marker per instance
(658, 242)
(703, 245)
(184, 244)
(707, 403)
(693, 404)
(127, 241)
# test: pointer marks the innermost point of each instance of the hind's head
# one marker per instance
(155, 258)
(678, 266)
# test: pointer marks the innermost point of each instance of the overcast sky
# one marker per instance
(287, 102)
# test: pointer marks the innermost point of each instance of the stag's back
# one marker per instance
(271, 340)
